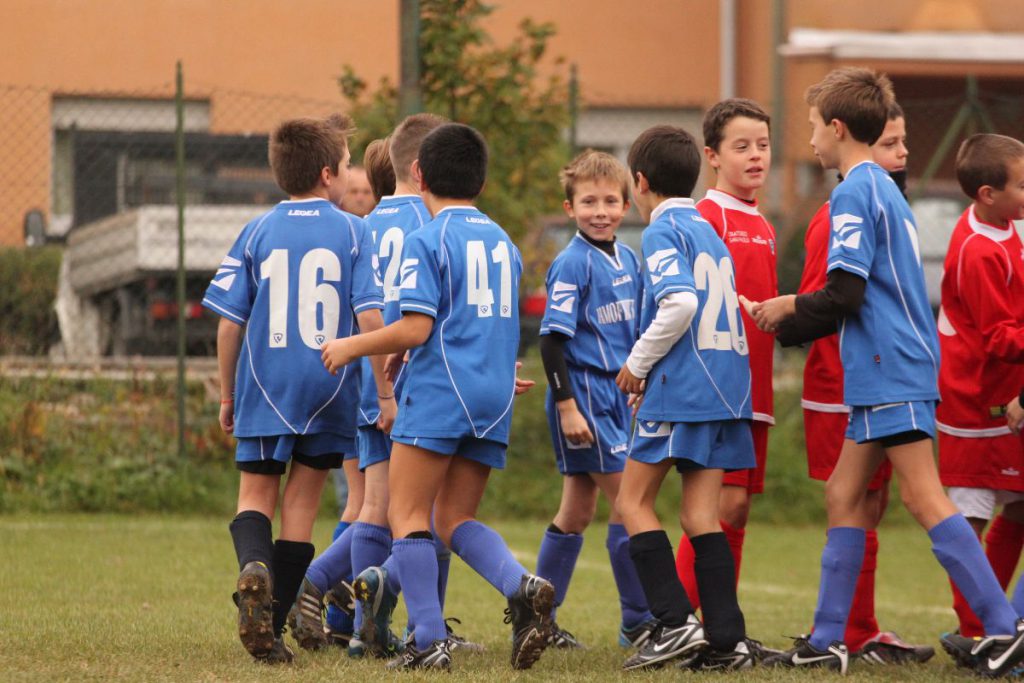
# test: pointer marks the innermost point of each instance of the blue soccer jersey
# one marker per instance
(462, 270)
(593, 298)
(295, 278)
(390, 224)
(706, 374)
(889, 348)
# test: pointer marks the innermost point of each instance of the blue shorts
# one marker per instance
(374, 446)
(715, 445)
(483, 451)
(312, 450)
(870, 423)
(607, 414)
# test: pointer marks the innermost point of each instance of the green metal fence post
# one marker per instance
(410, 99)
(179, 144)
(574, 108)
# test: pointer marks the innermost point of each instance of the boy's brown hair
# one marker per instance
(592, 165)
(725, 111)
(407, 138)
(668, 158)
(984, 159)
(379, 171)
(860, 98)
(301, 148)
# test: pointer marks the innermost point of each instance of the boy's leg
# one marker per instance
(371, 537)
(339, 622)
(563, 539)
(254, 547)
(862, 626)
(1004, 541)
(977, 505)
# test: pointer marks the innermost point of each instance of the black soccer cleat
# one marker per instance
(564, 640)
(279, 653)
(435, 656)
(306, 618)
(963, 650)
(887, 648)
(255, 609)
(746, 655)
(1000, 654)
(669, 642)
(529, 612)
(835, 657)
(378, 604)
(343, 597)
(457, 643)
(638, 635)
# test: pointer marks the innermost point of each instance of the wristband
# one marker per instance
(385, 398)
(230, 400)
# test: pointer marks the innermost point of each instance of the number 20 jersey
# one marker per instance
(706, 375)
(295, 278)
(462, 270)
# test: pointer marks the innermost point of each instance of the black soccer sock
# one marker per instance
(656, 566)
(254, 541)
(716, 584)
(291, 560)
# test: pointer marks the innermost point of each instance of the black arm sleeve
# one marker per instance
(818, 312)
(552, 353)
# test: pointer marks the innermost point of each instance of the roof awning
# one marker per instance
(929, 46)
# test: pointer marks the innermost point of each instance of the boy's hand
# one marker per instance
(522, 385)
(335, 354)
(635, 401)
(227, 416)
(393, 366)
(574, 425)
(769, 313)
(388, 411)
(629, 383)
(1015, 415)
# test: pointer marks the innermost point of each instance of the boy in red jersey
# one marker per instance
(737, 146)
(981, 335)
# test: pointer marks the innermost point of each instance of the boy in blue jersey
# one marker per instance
(589, 327)
(297, 277)
(459, 281)
(875, 294)
(690, 367)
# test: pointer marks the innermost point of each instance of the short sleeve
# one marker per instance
(852, 237)
(232, 290)
(666, 264)
(366, 285)
(420, 277)
(567, 282)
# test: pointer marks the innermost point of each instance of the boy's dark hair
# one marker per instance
(407, 138)
(668, 158)
(593, 165)
(895, 112)
(725, 111)
(984, 159)
(379, 171)
(860, 98)
(453, 161)
(301, 148)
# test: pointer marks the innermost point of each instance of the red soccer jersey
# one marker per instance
(823, 372)
(751, 243)
(981, 328)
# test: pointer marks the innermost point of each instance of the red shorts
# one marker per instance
(993, 462)
(824, 434)
(753, 479)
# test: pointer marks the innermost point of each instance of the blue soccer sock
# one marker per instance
(840, 566)
(416, 560)
(556, 560)
(340, 529)
(485, 551)
(444, 563)
(958, 550)
(371, 545)
(333, 564)
(632, 600)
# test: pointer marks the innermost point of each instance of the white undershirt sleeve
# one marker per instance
(675, 313)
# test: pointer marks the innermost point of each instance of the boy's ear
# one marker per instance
(567, 205)
(712, 157)
(640, 183)
(985, 195)
(326, 176)
(417, 175)
(839, 129)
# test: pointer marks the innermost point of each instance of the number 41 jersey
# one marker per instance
(295, 278)
(462, 270)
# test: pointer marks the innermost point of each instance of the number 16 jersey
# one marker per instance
(462, 270)
(295, 278)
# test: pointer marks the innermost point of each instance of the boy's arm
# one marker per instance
(815, 314)
(371, 320)
(675, 313)
(412, 330)
(229, 345)
(552, 353)
(982, 280)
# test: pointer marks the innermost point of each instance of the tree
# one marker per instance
(498, 91)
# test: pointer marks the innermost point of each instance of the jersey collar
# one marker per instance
(459, 207)
(616, 261)
(671, 203)
(728, 201)
(994, 233)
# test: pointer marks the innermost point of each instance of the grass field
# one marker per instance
(148, 599)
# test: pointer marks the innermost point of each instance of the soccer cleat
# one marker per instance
(279, 653)
(457, 642)
(961, 649)
(377, 604)
(835, 657)
(1000, 654)
(343, 597)
(436, 656)
(564, 640)
(357, 649)
(338, 638)
(306, 618)
(255, 609)
(888, 648)
(668, 642)
(638, 635)
(529, 612)
(746, 655)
